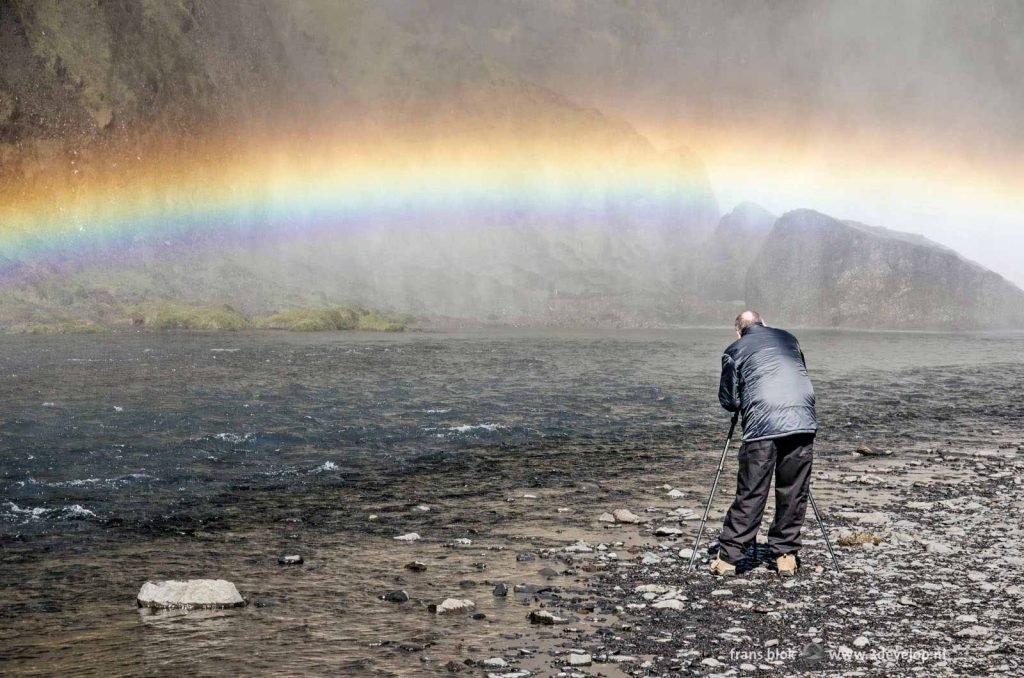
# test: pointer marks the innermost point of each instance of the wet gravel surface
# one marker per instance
(519, 504)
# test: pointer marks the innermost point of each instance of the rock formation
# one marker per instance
(817, 271)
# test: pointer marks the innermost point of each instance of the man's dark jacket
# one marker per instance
(764, 376)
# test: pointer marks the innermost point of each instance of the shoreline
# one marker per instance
(918, 607)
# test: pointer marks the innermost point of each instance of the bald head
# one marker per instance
(746, 319)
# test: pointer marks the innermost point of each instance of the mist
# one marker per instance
(529, 163)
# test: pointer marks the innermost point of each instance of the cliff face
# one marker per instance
(81, 82)
(732, 248)
(817, 271)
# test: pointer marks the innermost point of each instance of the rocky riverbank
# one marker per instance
(939, 593)
(531, 565)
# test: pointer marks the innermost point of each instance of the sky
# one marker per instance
(904, 114)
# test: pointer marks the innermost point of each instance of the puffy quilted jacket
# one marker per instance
(764, 376)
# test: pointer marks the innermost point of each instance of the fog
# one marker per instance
(557, 161)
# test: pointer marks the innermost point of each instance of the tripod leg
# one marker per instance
(714, 485)
(835, 561)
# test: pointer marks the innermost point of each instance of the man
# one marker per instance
(764, 376)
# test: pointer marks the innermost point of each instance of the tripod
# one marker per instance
(714, 486)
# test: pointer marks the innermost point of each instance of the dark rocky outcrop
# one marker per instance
(734, 244)
(817, 271)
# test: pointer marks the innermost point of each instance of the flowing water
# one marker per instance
(137, 456)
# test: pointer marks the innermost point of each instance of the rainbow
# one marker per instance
(335, 183)
(348, 179)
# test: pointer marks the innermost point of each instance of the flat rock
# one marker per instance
(416, 566)
(975, 632)
(625, 516)
(290, 560)
(453, 606)
(412, 536)
(191, 594)
(666, 531)
(606, 518)
(580, 659)
(545, 618)
(670, 604)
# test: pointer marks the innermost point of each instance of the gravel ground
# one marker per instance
(941, 593)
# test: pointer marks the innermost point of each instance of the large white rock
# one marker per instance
(194, 593)
(454, 605)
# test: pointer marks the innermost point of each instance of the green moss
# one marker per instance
(62, 327)
(331, 319)
(184, 317)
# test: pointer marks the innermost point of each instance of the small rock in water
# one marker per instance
(501, 590)
(412, 536)
(416, 566)
(545, 618)
(666, 531)
(625, 516)
(191, 594)
(580, 659)
(396, 597)
(290, 560)
(452, 606)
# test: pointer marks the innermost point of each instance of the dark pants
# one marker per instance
(790, 459)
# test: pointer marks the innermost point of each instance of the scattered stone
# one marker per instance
(580, 659)
(548, 572)
(722, 592)
(975, 632)
(454, 666)
(500, 591)
(290, 560)
(872, 452)
(462, 541)
(412, 536)
(666, 531)
(396, 597)
(191, 594)
(453, 606)
(748, 667)
(676, 494)
(711, 661)
(861, 641)
(416, 566)
(579, 547)
(625, 516)
(545, 618)
(858, 538)
(686, 553)
(938, 548)
(606, 518)
(670, 604)
(494, 663)
(872, 518)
